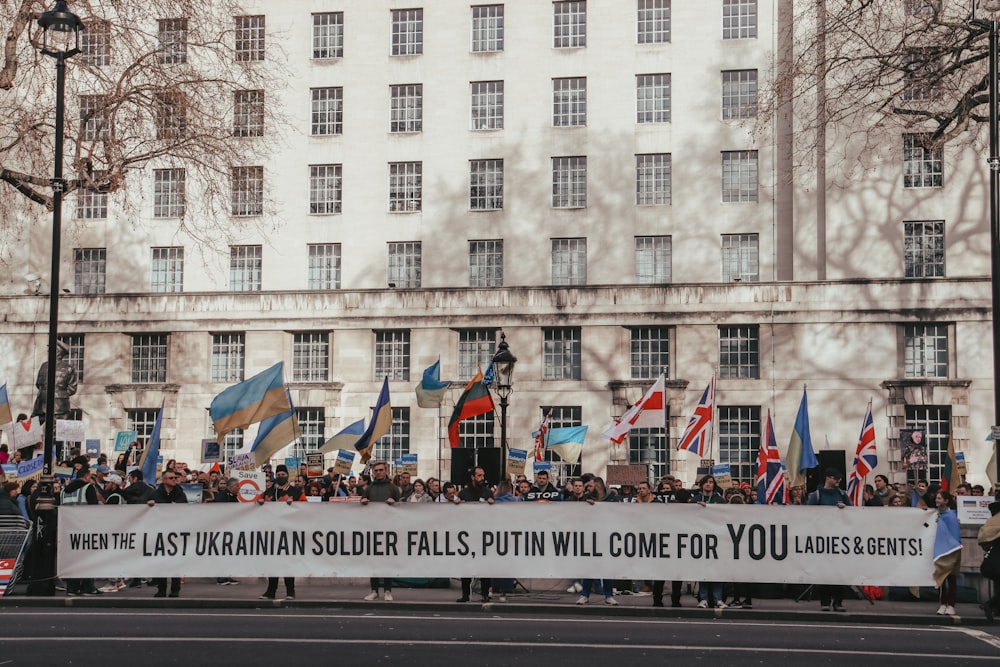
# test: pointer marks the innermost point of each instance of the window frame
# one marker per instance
(569, 101)
(486, 184)
(391, 355)
(403, 264)
(326, 189)
(406, 187)
(658, 268)
(166, 273)
(653, 179)
(652, 98)
(406, 108)
(169, 192)
(150, 357)
(569, 181)
(90, 270)
(245, 268)
(311, 356)
(324, 266)
(486, 263)
(327, 35)
(739, 94)
(924, 249)
(247, 191)
(228, 357)
(486, 105)
(652, 21)
(250, 35)
(407, 32)
(569, 24)
(740, 257)
(739, 352)
(562, 356)
(487, 28)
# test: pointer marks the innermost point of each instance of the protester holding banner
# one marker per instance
(137, 492)
(381, 490)
(79, 492)
(169, 491)
(989, 540)
(477, 491)
(710, 593)
(419, 494)
(831, 596)
(947, 553)
(434, 488)
(680, 496)
(334, 489)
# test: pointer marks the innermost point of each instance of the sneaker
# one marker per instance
(583, 599)
(826, 607)
(940, 611)
(611, 601)
(387, 596)
(113, 588)
(462, 599)
(70, 594)
(949, 611)
(502, 598)
(575, 587)
(703, 604)
(372, 596)
(720, 605)
(839, 607)
(266, 596)
(735, 604)
(290, 597)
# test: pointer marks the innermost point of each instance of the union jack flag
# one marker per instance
(865, 460)
(771, 487)
(540, 436)
(697, 436)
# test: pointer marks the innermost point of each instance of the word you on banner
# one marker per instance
(539, 540)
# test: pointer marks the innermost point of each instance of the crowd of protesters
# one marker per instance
(124, 484)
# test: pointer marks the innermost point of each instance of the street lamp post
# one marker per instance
(993, 6)
(61, 41)
(503, 368)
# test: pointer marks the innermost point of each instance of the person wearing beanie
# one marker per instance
(281, 491)
(169, 491)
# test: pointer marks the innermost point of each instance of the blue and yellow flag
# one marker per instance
(5, 414)
(378, 426)
(275, 433)
(250, 401)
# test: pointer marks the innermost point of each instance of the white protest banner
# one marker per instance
(516, 461)
(973, 510)
(70, 430)
(27, 433)
(240, 462)
(251, 484)
(31, 468)
(822, 545)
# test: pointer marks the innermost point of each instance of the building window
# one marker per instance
(561, 353)
(89, 270)
(248, 113)
(934, 421)
(328, 35)
(562, 416)
(232, 443)
(325, 188)
(324, 266)
(391, 446)
(228, 357)
(248, 190)
(569, 261)
(569, 182)
(925, 350)
(405, 186)
(569, 102)
(392, 355)
(923, 162)
(739, 176)
(167, 270)
(249, 38)
(739, 440)
(95, 43)
(168, 193)
(921, 72)
(739, 19)
(171, 116)
(740, 254)
(739, 94)
(652, 98)
(486, 263)
(487, 28)
(739, 352)
(477, 432)
(327, 111)
(312, 432)
(149, 358)
(650, 352)
(173, 37)
(923, 249)
(75, 359)
(569, 24)
(653, 21)
(650, 446)
(475, 350)
(93, 117)
(311, 356)
(403, 264)
(244, 268)
(92, 204)
(487, 105)
(407, 32)
(485, 185)
(652, 179)
(653, 262)
(142, 421)
(406, 107)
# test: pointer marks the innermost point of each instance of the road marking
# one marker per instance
(868, 653)
(981, 636)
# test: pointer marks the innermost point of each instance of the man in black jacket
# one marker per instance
(281, 491)
(168, 492)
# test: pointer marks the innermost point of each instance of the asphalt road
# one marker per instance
(291, 636)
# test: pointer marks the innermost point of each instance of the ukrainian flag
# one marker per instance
(250, 401)
(5, 414)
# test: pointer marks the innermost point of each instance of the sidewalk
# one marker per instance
(536, 596)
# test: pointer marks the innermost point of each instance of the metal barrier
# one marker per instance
(15, 542)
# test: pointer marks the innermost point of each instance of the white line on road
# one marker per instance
(981, 636)
(868, 653)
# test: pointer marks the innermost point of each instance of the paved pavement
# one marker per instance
(536, 596)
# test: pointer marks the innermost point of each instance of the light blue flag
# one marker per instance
(275, 432)
(567, 442)
(5, 413)
(346, 438)
(800, 456)
(430, 392)
(152, 452)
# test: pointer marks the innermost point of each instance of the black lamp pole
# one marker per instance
(994, 163)
(503, 368)
(57, 25)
